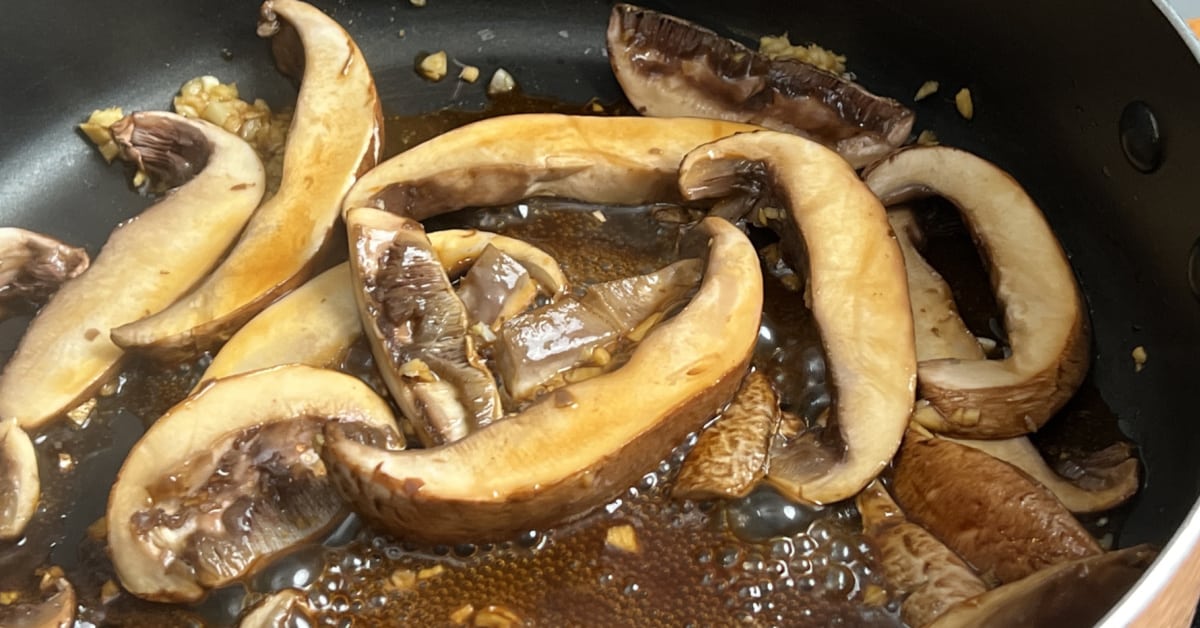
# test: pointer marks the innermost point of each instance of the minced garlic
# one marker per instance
(812, 54)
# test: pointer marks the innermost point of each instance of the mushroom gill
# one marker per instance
(32, 267)
(1032, 280)
(835, 227)
(334, 137)
(580, 446)
(671, 67)
(67, 353)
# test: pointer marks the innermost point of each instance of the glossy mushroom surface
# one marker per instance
(20, 484)
(32, 267)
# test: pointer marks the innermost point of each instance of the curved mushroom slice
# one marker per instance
(19, 480)
(582, 445)
(536, 351)
(619, 161)
(671, 67)
(730, 457)
(940, 331)
(856, 278)
(66, 353)
(418, 328)
(496, 288)
(1074, 593)
(458, 249)
(929, 577)
(32, 267)
(335, 136)
(284, 609)
(314, 324)
(1102, 480)
(56, 611)
(999, 520)
(1043, 314)
(231, 475)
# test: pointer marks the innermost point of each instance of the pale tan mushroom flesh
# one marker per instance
(56, 611)
(67, 353)
(856, 280)
(20, 484)
(1043, 310)
(32, 267)
(190, 441)
(581, 445)
(335, 136)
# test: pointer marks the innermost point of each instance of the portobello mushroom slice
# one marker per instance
(995, 517)
(418, 329)
(32, 267)
(539, 350)
(836, 228)
(284, 609)
(929, 577)
(18, 478)
(671, 67)
(1032, 280)
(1097, 482)
(335, 136)
(459, 249)
(730, 457)
(613, 160)
(67, 353)
(231, 475)
(496, 288)
(1075, 593)
(56, 611)
(582, 445)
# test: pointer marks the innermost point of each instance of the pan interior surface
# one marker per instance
(1048, 108)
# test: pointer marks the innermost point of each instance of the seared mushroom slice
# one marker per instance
(418, 329)
(537, 351)
(999, 520)
(1043, 314)
(496, 288)
(929, 577)
(671, 67)
(503, 160)
(20, 487)
(730, 457)
(1074, 593)
(1097, 482)
(56, 611)
(585, 443)
(284, 609)
(231, 475)
(32, 267)
(66, 353)
(839, 230)
(459, 249)
(335, 136)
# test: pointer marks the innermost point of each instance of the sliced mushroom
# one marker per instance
(929, 577)
(1074, 593)
(940, 331)
(418, 328)
(32, 267)
(56, 611)
(286, 609)
(496, 288)
(314, 324)
(856, 279)
(730, 457)
(999, 520)
(20, 486)
(458, 249)
(1103, 480)
(231, 475)
(586, 442)
(671, 67)
(66, 353)
(335, 136)
(1032, 280)
(502, 160)
(535, 351)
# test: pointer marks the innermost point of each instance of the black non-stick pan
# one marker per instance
(1092, 107)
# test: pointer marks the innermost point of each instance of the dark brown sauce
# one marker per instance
(758, 559)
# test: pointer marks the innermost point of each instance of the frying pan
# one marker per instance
(1092, 108)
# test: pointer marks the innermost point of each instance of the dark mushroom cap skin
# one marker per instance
(1000, 521)
(672, 67)
(335, 136)
(1044, 317)
(67, 351)
(836, 227)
